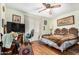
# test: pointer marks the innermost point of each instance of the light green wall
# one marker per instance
(0, 8)
(10, 12)
(0, 17)
(76, 18)
(36, 22)
(47, 27)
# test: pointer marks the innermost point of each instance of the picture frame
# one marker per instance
(3, 8)
(45, 22)
(16, 18)
(43, 27)
(2, 22)
(66, 21)
(5, 29)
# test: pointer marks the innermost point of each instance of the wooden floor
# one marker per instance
(41, 49)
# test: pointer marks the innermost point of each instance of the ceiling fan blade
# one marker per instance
(55, 6)
(47, 5)
(44, 4)
(42, 10)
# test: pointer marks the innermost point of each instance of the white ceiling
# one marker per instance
(33, 8)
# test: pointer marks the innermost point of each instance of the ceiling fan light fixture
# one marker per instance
(50, 6)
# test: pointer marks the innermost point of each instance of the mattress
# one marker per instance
(60, 39)
(62, 47)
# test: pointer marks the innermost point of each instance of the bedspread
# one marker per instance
(59, 39)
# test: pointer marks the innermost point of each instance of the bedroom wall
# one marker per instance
(35, 22)
(76, 17)
(2, 16)
(31, 21)
(0, 22)
(10, 12)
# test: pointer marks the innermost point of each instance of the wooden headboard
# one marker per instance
(57, 31)
(73, 31)
(64, 31)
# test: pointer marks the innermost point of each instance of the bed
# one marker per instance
(62, 38)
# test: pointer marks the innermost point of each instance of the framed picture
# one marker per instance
(3, 8)
(5, 29)
(66, 21)
(16, 18)
(2, 22)
(45, 22)
(43, 27)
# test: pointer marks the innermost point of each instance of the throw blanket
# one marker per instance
(7, 40)
(59, 39)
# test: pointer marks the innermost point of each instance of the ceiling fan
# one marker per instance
(49, 6)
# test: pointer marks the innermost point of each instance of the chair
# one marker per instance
(30, 35)
(8, 51)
